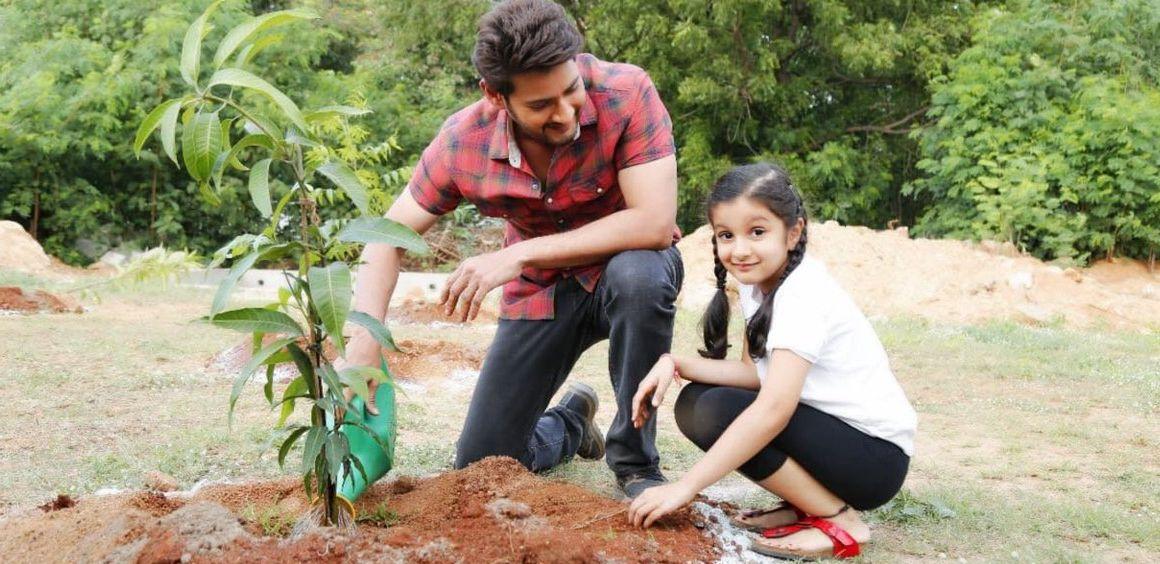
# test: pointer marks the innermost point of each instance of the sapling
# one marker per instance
(313, 308)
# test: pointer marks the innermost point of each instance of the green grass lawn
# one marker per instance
(1035, 444)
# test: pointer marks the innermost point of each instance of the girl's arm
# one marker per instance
(737, 373)
(748, 434)
(651, 390)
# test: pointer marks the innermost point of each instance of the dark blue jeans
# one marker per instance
(633, 307)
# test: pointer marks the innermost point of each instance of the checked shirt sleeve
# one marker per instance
(649, 134)
(432, 184)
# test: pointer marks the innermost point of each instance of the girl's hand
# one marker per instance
(654, 503)
(651, 391)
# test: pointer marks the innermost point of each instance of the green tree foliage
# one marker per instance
(1046, 132)
(1056, 151)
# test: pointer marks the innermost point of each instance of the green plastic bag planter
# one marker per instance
(363, 446)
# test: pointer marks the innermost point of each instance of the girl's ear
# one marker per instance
(794, 234)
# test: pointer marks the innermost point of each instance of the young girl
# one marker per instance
(811, 412)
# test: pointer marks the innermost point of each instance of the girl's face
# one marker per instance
(752, 242)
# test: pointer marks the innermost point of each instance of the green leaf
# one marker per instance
(257, 319)
(169, 132)
(326, 112)
(268, 389)
(343, 177)
(313, 447)
(337, 449)
(227, 285)
(191, 47)
(375, 328)
(382, 230)
(260, 187)
(167, 110)
(246, 31)
(250, 51)
(353, 379)
(288, 444)
(200, 144)
(305, 368)
(331, 289)
(248, 370)
(239, 77)
(333, 385)
(297, 388)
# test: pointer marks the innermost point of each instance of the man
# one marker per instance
(577, 155)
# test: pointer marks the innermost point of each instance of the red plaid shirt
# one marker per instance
(622, 124)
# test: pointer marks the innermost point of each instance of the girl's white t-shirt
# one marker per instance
(850, 376)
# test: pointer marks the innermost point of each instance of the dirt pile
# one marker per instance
(492, 510)
(14, 299)
(422, 312)
(415, 360)
(889, 274)
(19, 251)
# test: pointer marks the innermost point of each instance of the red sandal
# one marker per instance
(736, 522)
(844, 545)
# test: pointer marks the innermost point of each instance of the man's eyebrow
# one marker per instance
(571, 87)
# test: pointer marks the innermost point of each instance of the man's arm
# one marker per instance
(375, 282)
(379, 271)
(647, 222)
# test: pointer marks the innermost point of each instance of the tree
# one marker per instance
(315, 308)
(1046, 132)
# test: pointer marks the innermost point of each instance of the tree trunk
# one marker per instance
(153, 208)
(35, 207)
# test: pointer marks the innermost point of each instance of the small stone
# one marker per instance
(1073, 274)
(942, 555)
(1020, 280)
(160, 482)
(186, 558)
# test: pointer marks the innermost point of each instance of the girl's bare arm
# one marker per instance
(721, 372)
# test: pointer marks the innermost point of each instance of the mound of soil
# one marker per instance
(889, 274)
(416, 360)
(421, 312)
(19, 251)
(493, 510)
(15, 299)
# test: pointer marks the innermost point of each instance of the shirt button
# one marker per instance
(600, 190)
(535, 186)
(549, 200)
(560, 221)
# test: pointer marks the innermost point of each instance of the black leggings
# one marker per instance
(862, 470)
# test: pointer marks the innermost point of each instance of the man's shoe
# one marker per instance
(581, 398)
(633, 484)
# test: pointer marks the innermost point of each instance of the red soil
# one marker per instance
(415, 360)
(15, 299)
(494, 510)
(424, 313)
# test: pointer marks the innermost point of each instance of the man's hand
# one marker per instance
(656, 502)
(651, 391)
(362, 350)
(477, 276)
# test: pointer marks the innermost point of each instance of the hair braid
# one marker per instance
(715, 322)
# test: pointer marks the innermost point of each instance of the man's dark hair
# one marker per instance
(519, 36)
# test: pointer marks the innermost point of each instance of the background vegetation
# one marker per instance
(1034, 122)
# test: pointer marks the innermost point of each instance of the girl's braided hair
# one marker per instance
(771, 186)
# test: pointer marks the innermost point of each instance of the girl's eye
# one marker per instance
(759, 232)
(724, 236)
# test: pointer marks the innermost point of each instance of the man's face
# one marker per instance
(545, 106)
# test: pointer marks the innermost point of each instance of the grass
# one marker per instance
(1035, 444)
